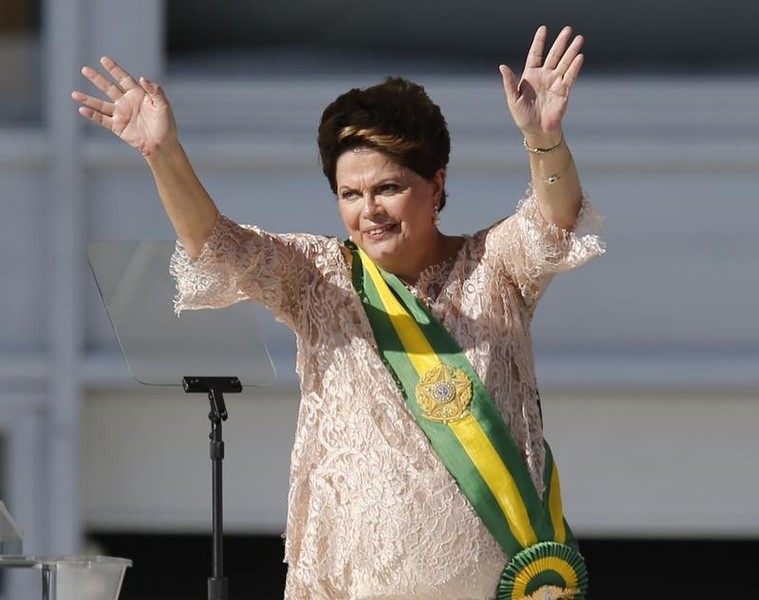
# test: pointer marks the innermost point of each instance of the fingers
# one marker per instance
(93, 103)
(510, 84)
(95, 110)
(573, 71)
(125, 80)
(557, 49)
(113, 88)
(151, 87)
(110, 89)
(101, 119)
(535, 53)
(570, 54)
(562, 54)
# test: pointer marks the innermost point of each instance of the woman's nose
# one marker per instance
(371, 206)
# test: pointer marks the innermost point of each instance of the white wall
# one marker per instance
(634, 462)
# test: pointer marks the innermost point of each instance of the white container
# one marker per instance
(75, 577)
(86, 577)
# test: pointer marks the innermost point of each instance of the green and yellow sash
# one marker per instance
(458, 416)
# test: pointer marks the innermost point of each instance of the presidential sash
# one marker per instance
(465, 428)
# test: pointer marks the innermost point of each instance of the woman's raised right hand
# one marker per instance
(138, 112)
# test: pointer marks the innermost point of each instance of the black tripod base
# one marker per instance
(217, 588)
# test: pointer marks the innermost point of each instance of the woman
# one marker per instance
(411, 343)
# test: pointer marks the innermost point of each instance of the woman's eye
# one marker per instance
(387, 188)
(349, 195)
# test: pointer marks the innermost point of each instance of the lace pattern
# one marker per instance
(372, 512)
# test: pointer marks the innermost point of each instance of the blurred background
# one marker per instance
(648, 358)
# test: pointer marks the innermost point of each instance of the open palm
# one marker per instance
(138, 112)
(539, 100)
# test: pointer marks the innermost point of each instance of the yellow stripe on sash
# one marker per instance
(468, 431)
(555, 508)
(497, 476)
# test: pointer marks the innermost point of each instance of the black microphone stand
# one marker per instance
(216, 387)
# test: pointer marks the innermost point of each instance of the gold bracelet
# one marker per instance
(551, 179)
(542, 150)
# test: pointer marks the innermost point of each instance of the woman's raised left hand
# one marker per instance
(539, 99)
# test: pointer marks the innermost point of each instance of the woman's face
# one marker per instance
(388, 210)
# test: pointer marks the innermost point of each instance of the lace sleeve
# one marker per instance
(533, 250)
(240, 263)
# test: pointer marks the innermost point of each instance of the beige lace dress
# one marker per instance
(372, 512)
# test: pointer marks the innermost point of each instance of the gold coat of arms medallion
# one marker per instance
(444, 393)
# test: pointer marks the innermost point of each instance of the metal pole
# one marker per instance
(217, 583)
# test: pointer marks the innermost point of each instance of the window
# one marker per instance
(315, 37)
(20, 100)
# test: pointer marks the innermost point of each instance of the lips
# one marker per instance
(378, 231)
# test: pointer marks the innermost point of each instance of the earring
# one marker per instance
(436, 217)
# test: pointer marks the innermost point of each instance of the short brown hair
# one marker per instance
(395, 117)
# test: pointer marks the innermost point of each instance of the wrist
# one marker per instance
(543, 143)
(165, 151)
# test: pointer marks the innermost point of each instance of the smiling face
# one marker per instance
(388, 211)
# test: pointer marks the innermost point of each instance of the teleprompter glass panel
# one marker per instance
(160, 347)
